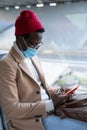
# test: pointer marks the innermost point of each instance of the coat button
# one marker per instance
(38, 92)
(37, 120)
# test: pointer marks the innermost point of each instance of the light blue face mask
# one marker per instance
(30, 52)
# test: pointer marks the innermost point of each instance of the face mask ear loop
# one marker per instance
(24, 42)
(20, 47)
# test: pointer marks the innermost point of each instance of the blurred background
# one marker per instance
(64, 52)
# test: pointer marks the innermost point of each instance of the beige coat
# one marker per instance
(20, 94)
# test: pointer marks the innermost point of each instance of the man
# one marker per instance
(24, 94)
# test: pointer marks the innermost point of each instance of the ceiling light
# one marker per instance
(53, 4)
(39, 5)
(17, 7)
(28, 6)
(6, 8)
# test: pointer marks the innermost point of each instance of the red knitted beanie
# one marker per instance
(27, 22)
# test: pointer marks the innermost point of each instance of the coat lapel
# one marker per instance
(38, 67)
(23, 66)
(21, 62)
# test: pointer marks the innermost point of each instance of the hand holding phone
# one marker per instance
(72, 90)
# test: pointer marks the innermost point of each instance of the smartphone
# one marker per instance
(72, 90)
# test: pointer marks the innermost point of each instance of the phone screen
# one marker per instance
(72, 90)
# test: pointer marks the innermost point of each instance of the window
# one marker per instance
(65, 43)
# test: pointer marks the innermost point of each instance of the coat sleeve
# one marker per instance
(13, 108)
(52, 90)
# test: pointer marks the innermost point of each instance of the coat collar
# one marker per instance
(19, 59)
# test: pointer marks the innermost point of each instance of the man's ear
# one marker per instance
(22, 40)
(19, 38)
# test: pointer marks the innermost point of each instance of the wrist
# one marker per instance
(51, 112)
